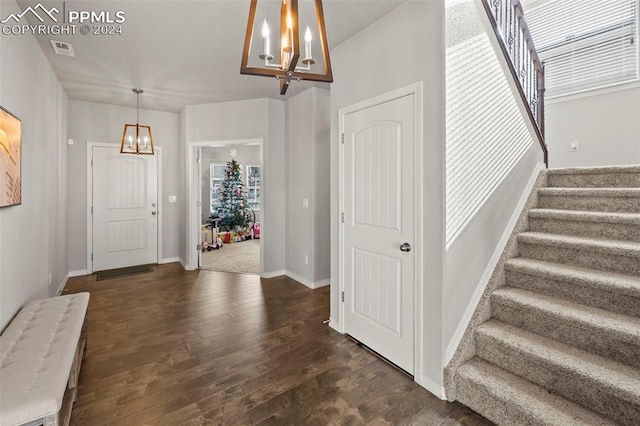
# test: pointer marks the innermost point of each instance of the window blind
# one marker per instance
(585, 43)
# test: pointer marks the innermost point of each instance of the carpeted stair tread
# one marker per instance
(603, 199)
(614, 247)
(594, 170)
(599, 177)
(591, 192)
(624, 327)
(507, 399)
(620, 283)
(602, 332)
(616, 256)
(586, 223)
(586, 216)
(575, 367)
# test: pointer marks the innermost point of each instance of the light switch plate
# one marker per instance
(305, 203)
(173, 199)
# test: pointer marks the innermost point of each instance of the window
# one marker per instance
(585, 43)
(217, 177)
(253, 187)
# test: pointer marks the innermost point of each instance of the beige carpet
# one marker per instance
(241, 257)
(562, 344)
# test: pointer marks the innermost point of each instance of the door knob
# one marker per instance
(153, 213)
(406, 247)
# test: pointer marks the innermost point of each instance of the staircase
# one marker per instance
(562, 346)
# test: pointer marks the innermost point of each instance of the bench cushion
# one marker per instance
(36, 354)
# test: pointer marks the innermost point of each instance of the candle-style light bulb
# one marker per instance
(307, 35)
(130, 141)
(266, 45)
(308, 60)
(146, 141)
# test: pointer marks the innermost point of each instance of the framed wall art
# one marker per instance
(10, 159)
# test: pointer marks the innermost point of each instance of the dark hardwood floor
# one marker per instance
(191, 348)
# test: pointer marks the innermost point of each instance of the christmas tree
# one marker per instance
(233, 210)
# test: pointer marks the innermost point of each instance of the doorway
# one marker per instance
(225, 181)
(230, 202)
(123, 214)
(380, 245)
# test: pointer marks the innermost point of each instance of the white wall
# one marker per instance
(321, 188)
(182, 188)
(252, 119)
(403, 47)
(247, 155)
(33, 241)
(307, 151)
(94, 122)
(606, 123)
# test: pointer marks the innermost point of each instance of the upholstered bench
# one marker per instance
(40, 355)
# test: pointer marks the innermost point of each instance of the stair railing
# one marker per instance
(507, 19)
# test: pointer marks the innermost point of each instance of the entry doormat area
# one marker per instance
(123, 272)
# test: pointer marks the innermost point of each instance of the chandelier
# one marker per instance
(287, 62)
(136, 139)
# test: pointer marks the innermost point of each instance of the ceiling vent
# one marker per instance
(62, 48)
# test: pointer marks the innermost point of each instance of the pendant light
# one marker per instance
(283, 62)
(137, 139)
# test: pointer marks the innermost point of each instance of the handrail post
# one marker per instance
(541, 91)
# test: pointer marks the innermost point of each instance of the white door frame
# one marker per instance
(415, 90)
(90, 146)
(193, 185)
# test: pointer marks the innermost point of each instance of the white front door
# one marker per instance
(379, 228)
(125, 213)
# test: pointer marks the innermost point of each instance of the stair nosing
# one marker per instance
(593, 170)
(569, 359)
(585, 216)
(601, 319)
(592, 278)
(616, 247)
(516, 388)
(624, 192)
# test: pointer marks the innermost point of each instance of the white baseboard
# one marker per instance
(78, 273)
(183, 263)
(433, 387)
(64, 283)
(322, 283)
(312, 285)
(491, 266)
(273, 274)
(296, 277)
(170, 260)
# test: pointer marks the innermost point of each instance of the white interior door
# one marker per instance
(379, 228)
(125, 213)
